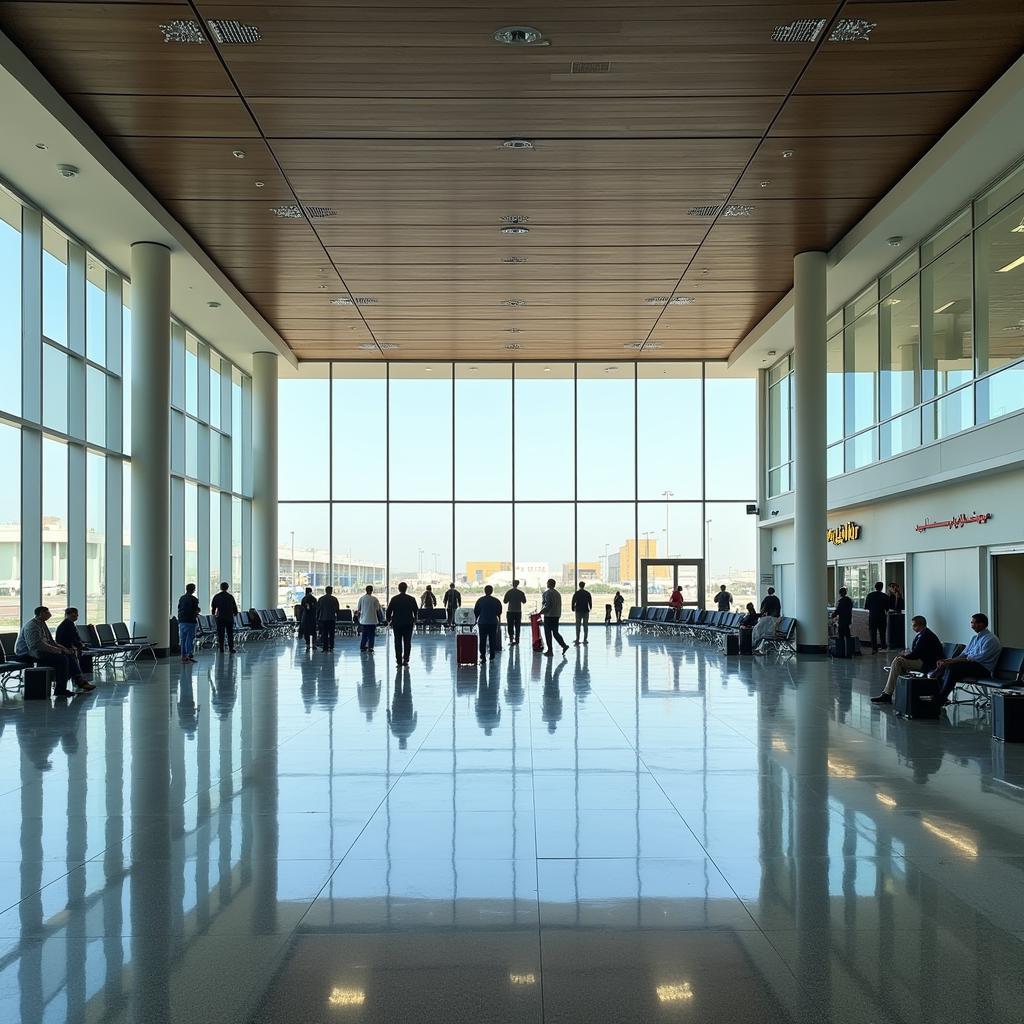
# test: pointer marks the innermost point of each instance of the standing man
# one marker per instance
(843, 614)
(551, 610)
(617, 602)
(877, 605)
(401, 615)
(327, 609)
(675, 602)
(369, 613)
(723, 599)
(428, 601)
(515, 599)
(582, 602)
(771, 606)
(488, 618)
(924, 654)
(307, 618)
(452, 600)
(188, 621)
(35, 644)
(224, 608)
(977, 662)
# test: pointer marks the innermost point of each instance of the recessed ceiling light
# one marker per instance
(951, 302)
(765, 184)
(518, 229)
(801, 30)
(547, 369)
(213, 305)
(40, 145)
(894, 241)
(238, 154)
(1010, 266)
(518, 35)
(517, 144)
(67, 170)
(259, 184)
(367, 346)
(635, 345)
(429, 369)
(787, 154)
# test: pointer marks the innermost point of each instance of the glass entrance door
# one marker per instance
(660, 576)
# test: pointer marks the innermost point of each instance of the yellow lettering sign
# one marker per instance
(844, 533)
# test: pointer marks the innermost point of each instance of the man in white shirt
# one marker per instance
(35, 645)
(369, 613)
(551, 610)
(977, 662)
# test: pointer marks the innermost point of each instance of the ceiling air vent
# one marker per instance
(737, 210)
(367, 346)
(229, 32)
(388, 346)
(513, 302)
(356, 300)
(515, 259)
(703, 211)
(518, 35)
(656, 300)
(513, 346)
(320, 212)
(182, 30)
(682, 300)
(852, 30)
(590, 67)
(517, 144)
(515, 218)
(803, 30)
(288, 212)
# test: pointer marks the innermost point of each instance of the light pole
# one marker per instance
(419, 552)
(666, 495)
(294, 580)
(436, 556)
(707, 553)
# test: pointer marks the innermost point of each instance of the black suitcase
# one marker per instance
(746, 641)
(840, 647)
(917, 697)
(732, 644)
(1008, 717)
(37, 683)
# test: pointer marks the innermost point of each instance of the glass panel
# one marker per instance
(96, 406)
(1003, 191)
(778, 481)
(483, 431)
(359, 395)
(192, 535)
(55, 388)
(303, 545)
(834, 324)
(420, 440)
(899, 346)
(999, 280)
(669, 405)
(903, 270)
(235, 579)
(236, 431)
(779, 414)
(948, 416)
(1001, 393)
(956, 229)
(731, 554)
(545, 541)
(304, 405)
(861, 450)
(545, 430)
(126, 368)
(834, 388)
(55, 519)
(834, 461)
(606, 552)
(10, 303)
(946, 341)
(191, 375)
(10, 525)
(862, 303)
(213, 583)
(483, 549)
(605, 443)
(670, 529)
(95, 310)
(55, 284)
(126, 541)
(95, 537)
(900, 435)
(191, 447)
(420, 546)
(360, 551)
(730, 435)
(779, 370)
(861, 359)
(177, 442)
(216, 442)
(215, 390)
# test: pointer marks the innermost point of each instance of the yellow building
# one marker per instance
(480, 572)
(629, 557)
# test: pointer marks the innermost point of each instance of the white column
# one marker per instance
(264, 480)
(809, 494)
(151, 458)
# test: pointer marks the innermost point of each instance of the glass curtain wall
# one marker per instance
(934, 347)
(65, 429)
(481, 473)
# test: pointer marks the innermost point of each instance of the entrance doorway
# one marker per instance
(660, 576)
(1008, 599)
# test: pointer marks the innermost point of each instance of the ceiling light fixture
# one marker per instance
(547, 369)
(320, 212)
(238, 154)
(1011, 266)
(428, 369)
(388, 346)
(514, 302)
(518, 35)
(67, 170)
(355, 300)
(787, 154)
(515, 259)
(737, 210)
(513, 346)
(681, 992)
(259, 184)
(682, 300)
(945, 306)
(182, 30)
(611, 369)
(40, 145)
(852, 30)
(367, 346)
(513, 330)
(517, 229)
(213, 305)
(590, 67)
(517, 144)
(287, 212)
(765, 184)
(515, 218)
(894, 241)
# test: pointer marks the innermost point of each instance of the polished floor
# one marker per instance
(644, 831)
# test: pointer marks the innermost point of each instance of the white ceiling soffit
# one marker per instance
(985, 142)
(107, 208)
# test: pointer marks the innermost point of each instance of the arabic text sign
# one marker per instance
(955, 523)
(843, 533)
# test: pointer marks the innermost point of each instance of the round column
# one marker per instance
(264, 480)
(149, 558)
(809, 602)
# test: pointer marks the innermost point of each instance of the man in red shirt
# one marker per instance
(676, 603)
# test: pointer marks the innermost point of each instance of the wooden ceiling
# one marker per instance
(393, 116)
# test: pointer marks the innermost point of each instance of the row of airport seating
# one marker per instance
(708, 627)
(255, 624)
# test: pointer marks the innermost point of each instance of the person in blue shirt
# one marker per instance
(488, 616)
(977, 662)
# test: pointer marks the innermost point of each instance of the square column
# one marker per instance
(264, 480)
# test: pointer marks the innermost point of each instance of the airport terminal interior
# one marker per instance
(693, 334)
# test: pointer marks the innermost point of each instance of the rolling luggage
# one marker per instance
(1008, 717)
(466, 648)
(732, 644)
(840, 647)
(607, 613)
(37, 682)
(917, 697)
(746, 641)
(535, 641)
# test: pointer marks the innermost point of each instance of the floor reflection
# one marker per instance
(642, 830)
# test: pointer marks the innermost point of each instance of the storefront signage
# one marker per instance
(844, 533)
(955, 523)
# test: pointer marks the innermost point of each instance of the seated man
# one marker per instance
(67, 636)
(977, 662)
(924, 654)
(35, 645)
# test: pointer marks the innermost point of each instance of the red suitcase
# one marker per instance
(538, 644)
(465, 648)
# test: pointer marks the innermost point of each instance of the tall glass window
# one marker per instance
(670, 405)
(10, 303)
(605, 452)
(10, 527)
(55, 284)
(860, 355)
(96, 311)
(899, 350)
(95, 537)
(483, 431)
(545, 430)
(55, 519)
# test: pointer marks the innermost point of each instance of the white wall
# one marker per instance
(947, 591)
